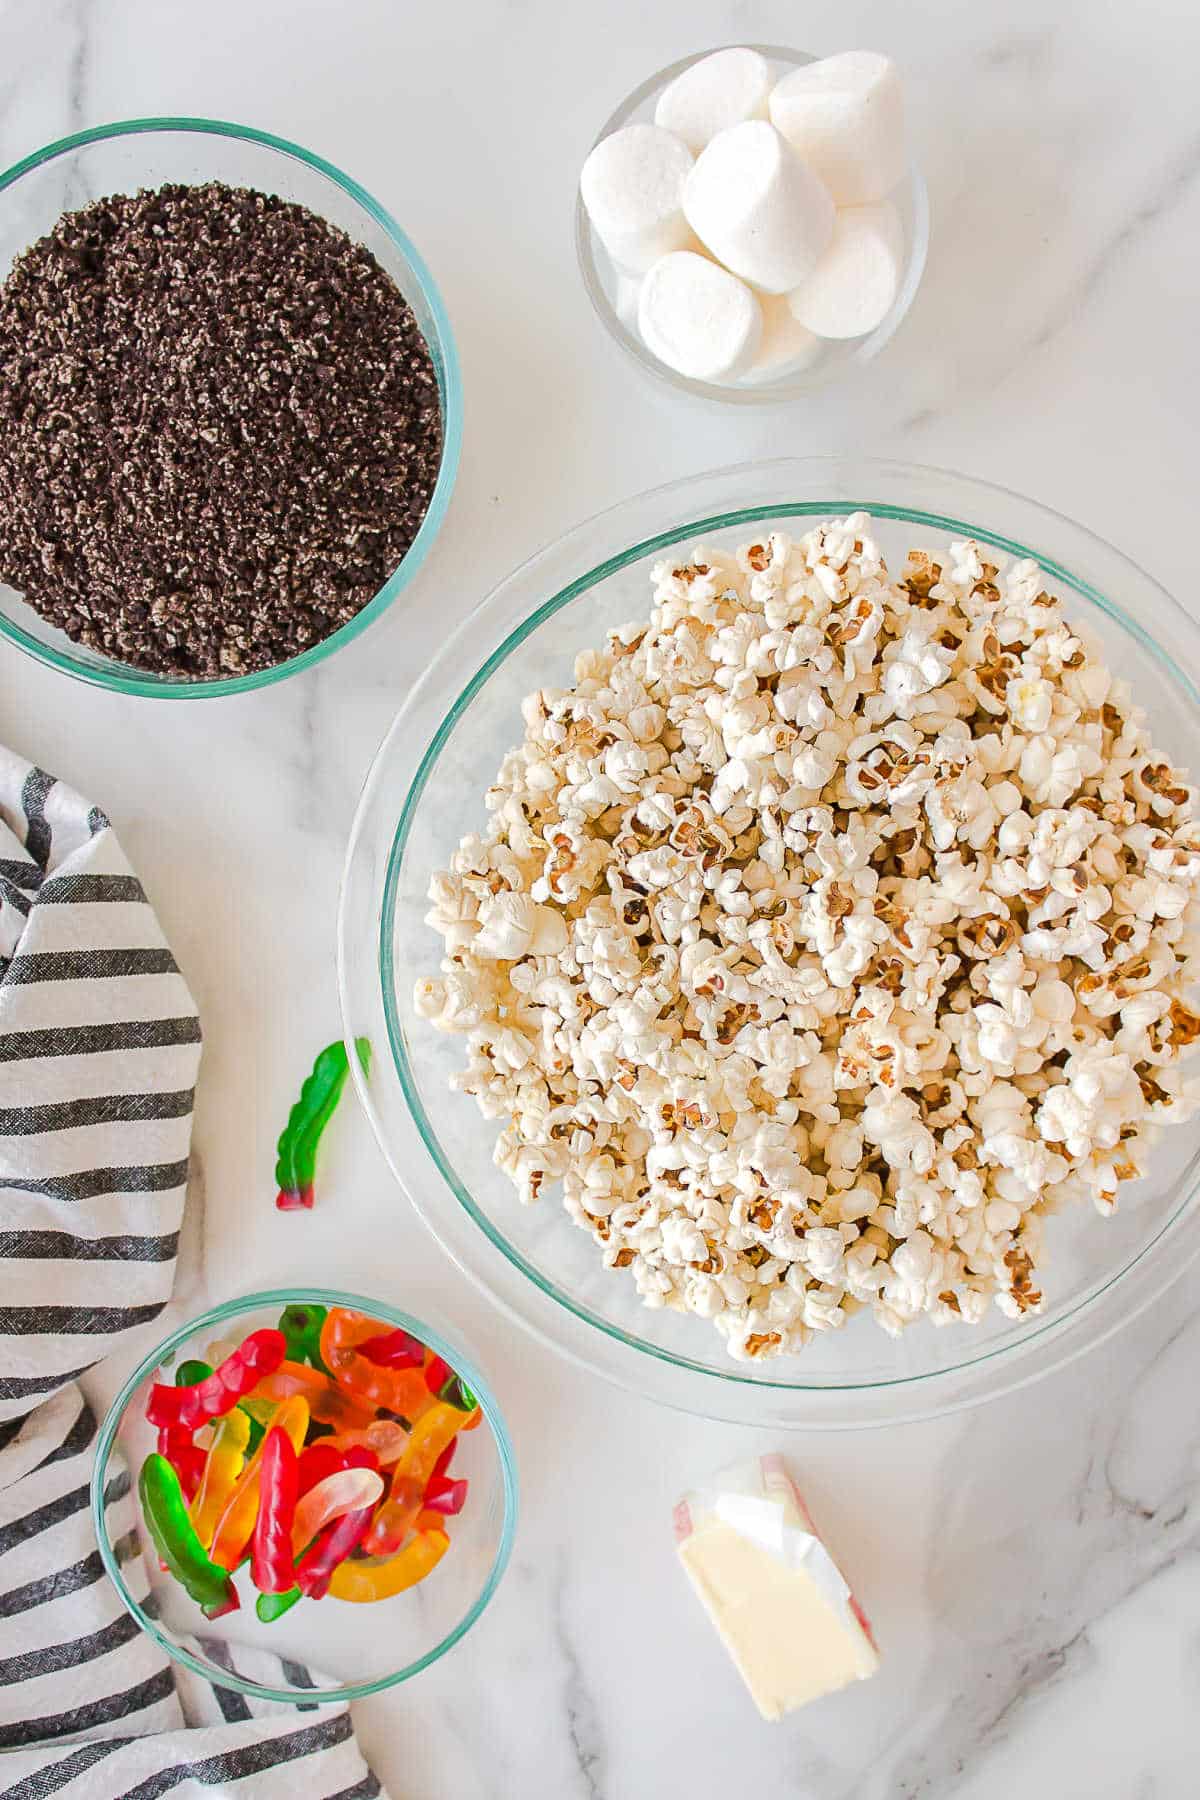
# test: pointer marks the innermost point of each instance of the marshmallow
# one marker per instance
(632, 186)
(718, 91)
(754, 205)
(698, 318)
(787, 346)
(626, 300)
(853, 286)
(845, 117)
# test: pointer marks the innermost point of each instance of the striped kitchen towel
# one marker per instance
(90, 1707)
(99, 1050)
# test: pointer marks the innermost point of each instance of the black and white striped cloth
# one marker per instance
(99, 1051)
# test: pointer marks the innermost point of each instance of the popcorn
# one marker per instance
(826, 936)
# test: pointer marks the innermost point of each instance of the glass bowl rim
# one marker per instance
(786, 388)
(123, 678)
(1053, 1325)
(269, 1299)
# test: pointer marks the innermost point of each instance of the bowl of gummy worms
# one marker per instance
(323, 1494)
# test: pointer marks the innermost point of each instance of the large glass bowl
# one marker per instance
(322, 1649)
(614, 303)
(146, 153)
(426, 790)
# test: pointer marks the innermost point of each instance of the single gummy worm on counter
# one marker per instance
(174, 1536)
(297, 1147)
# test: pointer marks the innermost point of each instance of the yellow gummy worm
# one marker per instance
(222, 1467)
(363, 1581)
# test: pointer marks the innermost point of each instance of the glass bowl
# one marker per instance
(323, 1649)
(610, 292)
(426, 790)
(146, 153)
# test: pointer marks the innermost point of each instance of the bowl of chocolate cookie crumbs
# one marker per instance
(230, 408)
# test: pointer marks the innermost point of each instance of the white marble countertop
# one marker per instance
(1033, 1568)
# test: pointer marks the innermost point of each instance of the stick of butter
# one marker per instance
(778, 1600)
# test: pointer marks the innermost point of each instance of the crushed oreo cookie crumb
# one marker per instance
(219, 429)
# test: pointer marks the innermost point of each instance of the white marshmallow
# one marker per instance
(632, 186)
(718, 91)
(845, 117)
(853, 286)
(787, 346)
(751, 201)
(626, 301)
(698, 318)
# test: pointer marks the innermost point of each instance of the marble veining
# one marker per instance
(77, 68)
(1033, 1569)
(584, 1729)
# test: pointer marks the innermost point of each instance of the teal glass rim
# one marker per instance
(219, 1316)
(731, 1379)
(118, 677)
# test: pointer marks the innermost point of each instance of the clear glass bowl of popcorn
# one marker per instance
(614, 294)
(426, 790)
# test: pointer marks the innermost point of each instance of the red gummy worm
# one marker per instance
(332, 1546)
(443, 1496)
(292, 1199)
(185, 1457)
(393, 1350)
(188, 1407)
(272, 1569)
(321, 1459)
(360, 1456)
(437, 1374)
(316, 1462)
(443, 1462)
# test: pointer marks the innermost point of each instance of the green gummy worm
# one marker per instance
(270, 1607)
(192, 1372)
(297, 1147)
(301, 1326)
(166, 1514)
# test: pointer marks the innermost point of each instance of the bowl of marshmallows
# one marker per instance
(750, 221)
